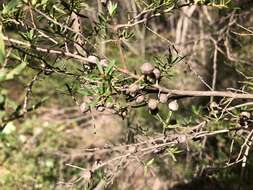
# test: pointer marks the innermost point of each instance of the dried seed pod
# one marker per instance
(157, 73)
(181, 138)
(133, 89)
(88, 67)
(147, 68)
(124, 114)
(153, 104)
(163, 98)
(100, 108)
(104, 62)
(84, 107)
(245, 114)
(173, 105)
(244, 119)
(93, 59)
(140, 99)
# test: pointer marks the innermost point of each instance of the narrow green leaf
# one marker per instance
(17, 70)
(2, 47)
(9, 128)
(147, 165)
(100, 68)
(7, 74)
(11, 6)
(94, 102)
(3, 73)
(109, 68)
(172, 156)
(112, 7)
(150, 162)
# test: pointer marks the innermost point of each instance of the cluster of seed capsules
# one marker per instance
(151, 74)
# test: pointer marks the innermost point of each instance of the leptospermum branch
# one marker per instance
(199, 93)
(194, 93)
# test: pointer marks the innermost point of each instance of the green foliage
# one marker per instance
(112, 7)
(11, 7)
(2, 48)
(8, 75)
(215, 3)
(26, 166)
(30, 160)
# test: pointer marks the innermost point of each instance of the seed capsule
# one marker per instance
(93, 59)
(133, 89)
(153, 104)
(84, 107)
(245, 114)
(140, 99)
(147, 68)
(173, 106)
(181, 138)
(163, 98)
(157, 73)
(244, 119)
(124, 114)
(100, 108)
(103, 62)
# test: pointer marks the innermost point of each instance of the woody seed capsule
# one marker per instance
(163, 98)
(173, 106)
(124, 114)
(153, 104)
(146, 68)
(157, 73)
(133, 88)
(103, 62)
(93, 59)
(84, 107)
(245, 114)
(100, 108)
(140, 99)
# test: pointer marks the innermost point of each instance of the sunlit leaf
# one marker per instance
(101, 71)
(148, 164)
(8, 75)
(17, 70)
(2, 47)
(109, 68)
(112, 7)
(9, 128)
(11, 6)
